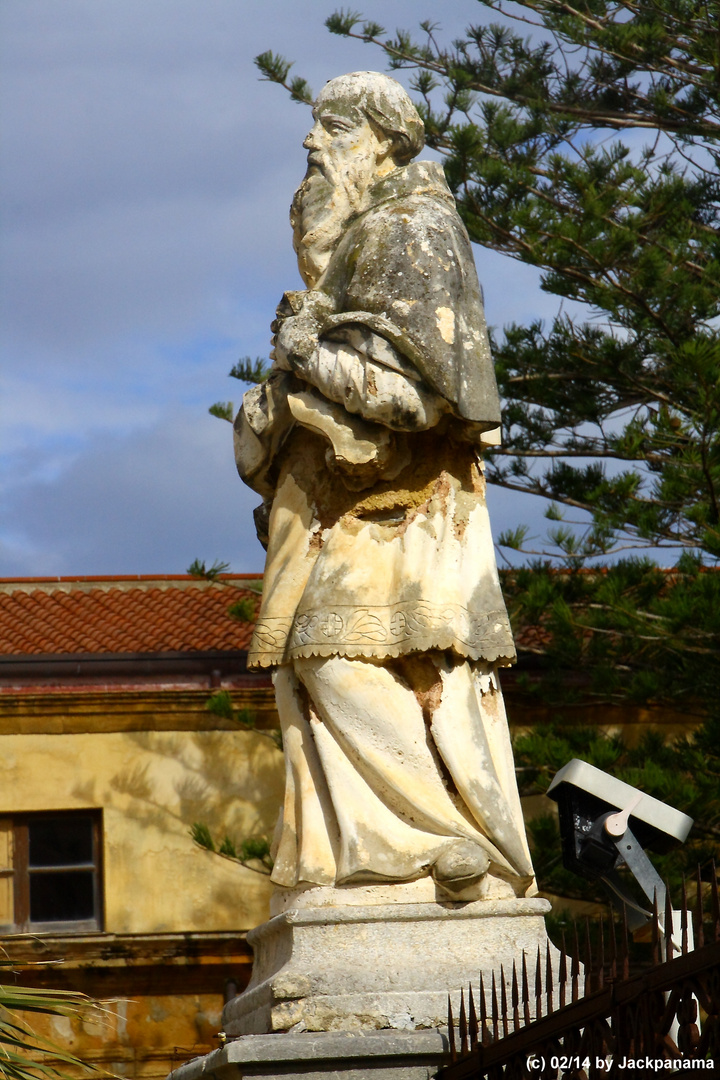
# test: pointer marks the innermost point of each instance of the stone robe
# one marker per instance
(380, 552)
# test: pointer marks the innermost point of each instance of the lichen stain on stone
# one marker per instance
(445, 318)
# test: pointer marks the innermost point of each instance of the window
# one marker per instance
(50, 873)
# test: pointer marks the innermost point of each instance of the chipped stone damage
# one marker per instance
(382, 613)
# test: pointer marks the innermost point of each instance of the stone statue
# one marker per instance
(382, 615)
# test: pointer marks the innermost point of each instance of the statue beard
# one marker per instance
(321, 209)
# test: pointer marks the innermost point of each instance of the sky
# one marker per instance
(146, 177)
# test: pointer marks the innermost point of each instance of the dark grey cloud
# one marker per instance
(149, 502)
(146, 178)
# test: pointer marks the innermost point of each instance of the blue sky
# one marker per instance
(146, 180)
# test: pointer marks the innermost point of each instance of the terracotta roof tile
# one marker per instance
(168, 613)
(118, 616)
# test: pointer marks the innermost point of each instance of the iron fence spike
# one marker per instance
(655, 931)
(472, 1019)
(525, 990)
(575, 964)
(515, 998)
(495, 1013)
(603, 1027)
(463, 1030)
(549, 982)
(485, 1033)
(451, 1031)
(668, 923)
(563, 972)
(538, 985)
(503, 1001)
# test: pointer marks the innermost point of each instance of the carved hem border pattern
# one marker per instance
(383, 631)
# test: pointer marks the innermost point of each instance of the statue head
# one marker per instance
(379, 101)
(365, 127)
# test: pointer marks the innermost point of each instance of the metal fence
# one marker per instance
(600, 1019)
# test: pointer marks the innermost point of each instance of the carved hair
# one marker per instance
(386, 104)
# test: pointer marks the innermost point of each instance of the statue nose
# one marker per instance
(311, 139)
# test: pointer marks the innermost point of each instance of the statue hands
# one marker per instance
(295, 336)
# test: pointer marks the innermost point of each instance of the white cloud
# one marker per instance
(147, 175)
(146, 503)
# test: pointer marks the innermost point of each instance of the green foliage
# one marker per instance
(242, 610)
(275, 68)
(631, 634)
(684, 772)
(250, 371)
(255, 847)
(616, 414)
(201, 835)
(245, 717)
(514, 538)
(22, 1051)
(199, 569)
(220, 704)
(253, 852)
(590, 150)
(224, 410)
(343, 22)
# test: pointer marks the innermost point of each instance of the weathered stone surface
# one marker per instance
(381, 609)
(336, 1055)
(385, 966)
(401, 863)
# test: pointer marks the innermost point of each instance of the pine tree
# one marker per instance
(588, 146)
(583, 138)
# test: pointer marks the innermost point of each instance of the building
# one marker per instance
(109, 756)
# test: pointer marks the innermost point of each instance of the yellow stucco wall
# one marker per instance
(135, 1038)
(151, 787)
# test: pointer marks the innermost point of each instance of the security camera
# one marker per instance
(605, 823)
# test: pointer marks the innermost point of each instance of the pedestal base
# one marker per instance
(391, 966)
(328, 1055)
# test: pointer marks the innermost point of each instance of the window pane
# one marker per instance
(61, 841)
(61, 897)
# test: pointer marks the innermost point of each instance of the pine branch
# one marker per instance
(250, 371)
(199, 569)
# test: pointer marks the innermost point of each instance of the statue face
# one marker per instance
(343, 141)
(347, 154)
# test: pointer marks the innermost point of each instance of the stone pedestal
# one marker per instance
(326, 1055)
(388, 966)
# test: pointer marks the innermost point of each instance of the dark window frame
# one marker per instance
(22, 871)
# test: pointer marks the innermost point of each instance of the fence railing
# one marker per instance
(579, 1022)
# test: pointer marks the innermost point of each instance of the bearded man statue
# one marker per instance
(382, 615)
